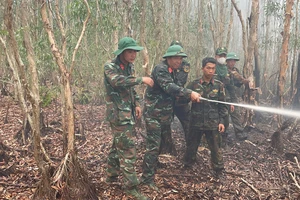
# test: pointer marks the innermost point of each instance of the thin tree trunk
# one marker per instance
(266, 54)
(296, 99)
(293, 70)
(212, 25)
(229, 26)
(244, 35)
(177, 19)
(249, 94)
(199, 37)
(145, 54)
(284, 54)
(34, 88)
(157, 9)
(257, 69)
(128, 17)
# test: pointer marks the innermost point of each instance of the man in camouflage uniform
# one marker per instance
(158, 113)
(122, 107)
(238, 81)
(207, 118)
(226, 78)
(181, 106)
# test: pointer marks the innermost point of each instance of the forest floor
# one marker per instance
(253, 169)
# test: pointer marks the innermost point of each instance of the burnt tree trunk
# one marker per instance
(276, 138)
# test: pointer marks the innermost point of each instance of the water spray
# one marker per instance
(285, 112)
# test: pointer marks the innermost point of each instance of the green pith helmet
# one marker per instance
(175, 50)
(232, 56)
(127, 43)
(176, 42)
(221, 50)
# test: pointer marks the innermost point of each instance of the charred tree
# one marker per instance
(295, 101)
(276, 138)
(250, 92)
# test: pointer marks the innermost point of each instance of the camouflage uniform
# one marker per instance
(181, 110)
(228, 80)
(236, 115)
(121, 100)
(158, 114)
(205, 119)
(181, 107)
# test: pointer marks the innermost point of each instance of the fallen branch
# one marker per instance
(234, 174)
(82, 145)
(251, 187)
(295, 181)
(296, 159)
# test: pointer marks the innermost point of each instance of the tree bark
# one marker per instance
(65, 76)
(293, 70)
(296, 99)
(143, 5)
(229, 26)
(244, 35)
(284, 54)
(128, 18)
(249, 94)
(199, 37)
(157, 11)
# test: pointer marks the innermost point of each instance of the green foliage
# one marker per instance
(274, 9)
(83, 96)
(48, 94)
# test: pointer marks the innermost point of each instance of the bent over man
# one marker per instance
(181, 106)
(158, 113)
(122, 107)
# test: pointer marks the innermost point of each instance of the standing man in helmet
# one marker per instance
(122, 108)
(181, 105)
(223, 75)
(238, 81)
(158, 111)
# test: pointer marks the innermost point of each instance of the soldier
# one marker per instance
(158, 113)
(238, 81)
(181, 106)
(206, 117)
(122, 107)
(223, 75)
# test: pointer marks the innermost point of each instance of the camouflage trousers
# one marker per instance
(122, 155)
(213, 139)
(236, 122)
(153, 140)
(182, 112)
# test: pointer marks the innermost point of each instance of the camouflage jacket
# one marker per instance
(208, 115)
(181, 76)
(236, 76)
(159, 99)
(121, 97)
(228, 82)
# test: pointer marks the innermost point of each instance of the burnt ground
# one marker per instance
(253, 169)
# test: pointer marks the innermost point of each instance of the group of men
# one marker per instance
(164, 97)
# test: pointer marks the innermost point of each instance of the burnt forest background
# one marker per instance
(54, 139)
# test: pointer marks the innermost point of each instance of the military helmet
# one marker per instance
(127, 43)
(175, 50)
(176, 42)
(232, 56)
(221, 50)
